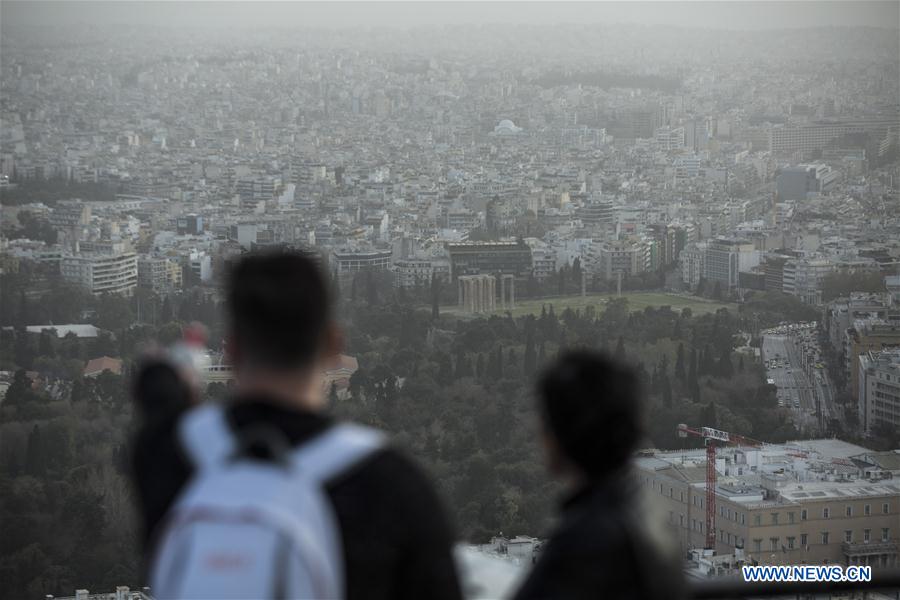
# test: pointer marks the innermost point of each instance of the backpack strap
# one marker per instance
(336, 450)
(206, 437)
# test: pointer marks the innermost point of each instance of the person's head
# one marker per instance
(590, 411)
(280, 315)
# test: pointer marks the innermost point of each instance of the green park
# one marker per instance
(636, 301)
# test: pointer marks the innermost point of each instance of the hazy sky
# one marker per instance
(722, 14)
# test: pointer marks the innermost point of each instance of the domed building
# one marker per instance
(506, 127)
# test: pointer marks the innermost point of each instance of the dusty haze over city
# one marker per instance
(708, 192)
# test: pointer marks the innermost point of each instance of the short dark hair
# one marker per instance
(279, 308)
(591, 404)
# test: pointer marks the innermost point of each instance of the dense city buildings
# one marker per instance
(719, 209)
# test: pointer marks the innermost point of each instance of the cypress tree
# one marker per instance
(435, 296)
(725, 368)
(679, 363)
(666, 391)
(530, 360)
(34, 457)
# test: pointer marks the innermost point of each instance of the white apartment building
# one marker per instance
(629, 257)
(200, 265)
(101, 273)
(669, 138)
(693, 263)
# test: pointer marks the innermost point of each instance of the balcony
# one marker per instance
(876, 554)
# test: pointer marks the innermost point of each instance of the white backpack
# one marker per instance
(253, 529)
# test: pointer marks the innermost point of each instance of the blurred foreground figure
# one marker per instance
(602, 547)
(266, 496)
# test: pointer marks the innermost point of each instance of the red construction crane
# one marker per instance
(714, 438)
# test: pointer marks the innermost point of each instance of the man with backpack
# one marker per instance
(605, 545)
(266, 496)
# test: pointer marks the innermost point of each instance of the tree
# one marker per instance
(371, 290)
(701, 286)
(45, 343)
(841, 283)
(666, 386)
(512, 360)
(707, 361)
(435, 297)
(530, 359)
(725, 369)
(463, 369)
(692, 379)
(165, 312)
(717, 291)
(23, 349)
(741, 363)
(445, 369)
(34, 453)
(19, 391)
(679, 363)
(79, 392)
(71, 346)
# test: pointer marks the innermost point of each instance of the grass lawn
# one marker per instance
(636, 301)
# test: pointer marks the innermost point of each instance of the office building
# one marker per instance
(476, 258)
(725, 257)
(794, 183)
(814, 136)
(879, 390)
(804, 278)
(412, 272)
(867, 335)
(346, 262)
(159, 274)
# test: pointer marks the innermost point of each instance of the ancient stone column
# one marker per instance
(493, 285)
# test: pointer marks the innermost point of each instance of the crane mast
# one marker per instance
(713, 439)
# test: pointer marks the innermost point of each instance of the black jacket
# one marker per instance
(396, 539)
(600, 550)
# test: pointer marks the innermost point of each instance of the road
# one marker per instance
(810, 398)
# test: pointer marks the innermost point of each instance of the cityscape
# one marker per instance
(716, 206)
